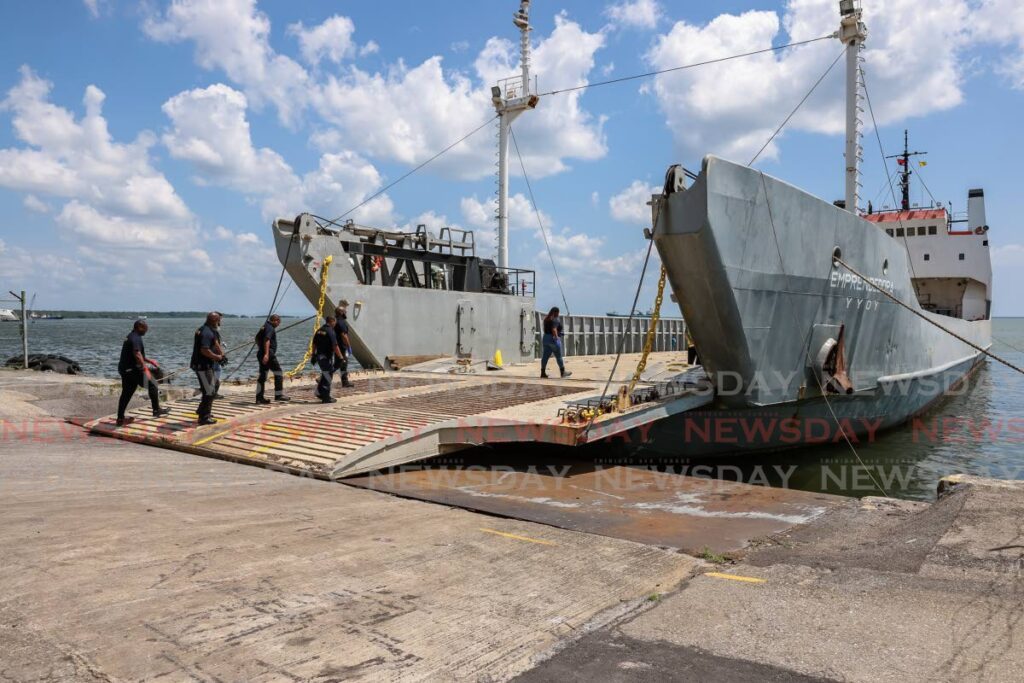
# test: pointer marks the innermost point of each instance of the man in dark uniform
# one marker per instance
(341, 332)
(325, 343)
(266, 350)
(133, 367)
(207, 355)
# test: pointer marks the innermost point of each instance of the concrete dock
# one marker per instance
(127, 562)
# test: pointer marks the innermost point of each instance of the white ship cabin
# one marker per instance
(952, 271)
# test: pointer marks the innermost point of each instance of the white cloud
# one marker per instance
(117, 197)
(93, 7)
(1002, 22)
(34, 203)
(116, 231)
(1008, 255)
(483, 214)
(404, 114)
(232, 35)
(210, 130)
(635, 13)
(630, 205)
(407, 114)
(459, 46)
(732, 108)
(331, 40)
(370, 48)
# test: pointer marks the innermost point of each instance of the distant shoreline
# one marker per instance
(131, 315)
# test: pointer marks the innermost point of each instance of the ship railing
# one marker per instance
(520, 281)
(512, 87)
(598, 335)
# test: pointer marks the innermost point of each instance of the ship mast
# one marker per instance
(904, 161)
(852, 33)
(511, 97)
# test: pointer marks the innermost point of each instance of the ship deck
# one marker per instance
(396, 418)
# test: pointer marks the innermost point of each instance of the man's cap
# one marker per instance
(141, 320)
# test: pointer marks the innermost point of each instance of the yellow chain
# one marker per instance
(590, 413)
(319, 318)
(651, 331)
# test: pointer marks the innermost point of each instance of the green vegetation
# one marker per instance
(712, 557)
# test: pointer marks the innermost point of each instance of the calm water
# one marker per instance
(980, 431)
(96, 343)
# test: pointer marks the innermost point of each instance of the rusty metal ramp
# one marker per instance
(636, 503)
(389, 419)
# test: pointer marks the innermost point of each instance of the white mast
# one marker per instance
(511, 97)
(852, 33)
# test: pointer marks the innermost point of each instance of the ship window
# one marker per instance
(920, 230)
(961, 257)
(985, 243)
(932, 230)
(927, 257)
(889, 232)
(899, 232)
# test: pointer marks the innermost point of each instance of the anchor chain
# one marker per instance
(318, 321)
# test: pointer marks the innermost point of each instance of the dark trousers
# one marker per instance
(130, 381)
(323, 385)
(208, 387)
(341, 365)
(272, 366)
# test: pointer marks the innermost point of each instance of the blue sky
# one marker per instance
(145, 147)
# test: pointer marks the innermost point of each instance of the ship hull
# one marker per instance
(391, 323)
(751, 263)
(860, 417)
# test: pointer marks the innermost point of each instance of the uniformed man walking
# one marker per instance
(325, 342)
(133, 367)
(266, 350)
(207, 355)
(341, 332)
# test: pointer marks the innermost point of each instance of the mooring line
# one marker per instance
(922, 316)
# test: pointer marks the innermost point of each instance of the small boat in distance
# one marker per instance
(8, 316)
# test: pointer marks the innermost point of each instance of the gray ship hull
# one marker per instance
(750, 261)
(391, 322)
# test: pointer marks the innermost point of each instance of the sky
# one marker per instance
(146, 147)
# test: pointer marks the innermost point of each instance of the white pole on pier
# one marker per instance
(24, 332)
(852, 33)
(510, 101)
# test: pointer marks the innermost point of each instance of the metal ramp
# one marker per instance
(389, 419)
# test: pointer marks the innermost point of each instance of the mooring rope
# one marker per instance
(922, 316)
(543, 232)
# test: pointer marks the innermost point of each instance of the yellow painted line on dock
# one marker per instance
(210, 438)
(518, 538)
(734, 577)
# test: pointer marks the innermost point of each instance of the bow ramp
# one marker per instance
(391, 419)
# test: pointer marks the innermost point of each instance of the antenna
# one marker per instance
(511, 97)
(852, 32)
(904, 161)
